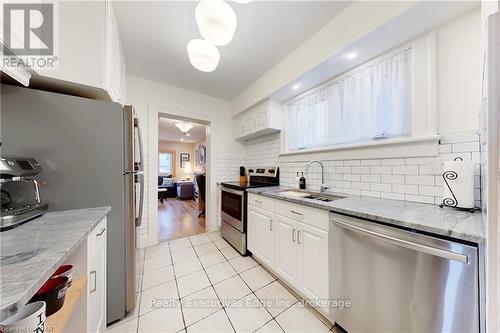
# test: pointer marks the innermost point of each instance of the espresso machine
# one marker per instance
(20, 195)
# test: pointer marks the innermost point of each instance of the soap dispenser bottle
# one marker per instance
(297, 181)
(302, 182)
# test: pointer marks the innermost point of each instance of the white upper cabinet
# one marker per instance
(89, 51)
(265, 118)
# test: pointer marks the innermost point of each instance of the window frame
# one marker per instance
(171, 152)
(424, 102)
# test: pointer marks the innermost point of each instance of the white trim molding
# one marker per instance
(389, 148)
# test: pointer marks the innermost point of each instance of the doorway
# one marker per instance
(182, 170)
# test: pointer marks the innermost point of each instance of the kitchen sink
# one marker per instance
(313, 196)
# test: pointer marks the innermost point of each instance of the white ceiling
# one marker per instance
(154, 35)
(168, 132)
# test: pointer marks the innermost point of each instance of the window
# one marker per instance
(166, 164)
(371, 102)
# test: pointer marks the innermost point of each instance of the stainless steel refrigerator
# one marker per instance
(91, 152)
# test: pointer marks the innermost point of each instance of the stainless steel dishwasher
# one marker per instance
(400, 281)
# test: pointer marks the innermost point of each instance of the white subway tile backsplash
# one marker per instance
(370, 162)
(392, 161)
(419, 180)
(380, 187)
(361, 169)
(430, 190)
(370, 178)
(419, 198)
(343, 184)
(391, 178)
(352, 163)
(344, 169)
(416, 160)
(381, 170)
(405, 169)
(360, 186)
(393, 196)
(352, 177)
(370, 194)
(404, 188)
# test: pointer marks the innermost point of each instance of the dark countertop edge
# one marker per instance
(11, 308)
(272, 193)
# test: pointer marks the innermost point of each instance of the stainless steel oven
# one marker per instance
(234, 205)
(233, 215)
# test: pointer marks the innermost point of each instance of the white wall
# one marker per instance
(459, 74)
(151, 99)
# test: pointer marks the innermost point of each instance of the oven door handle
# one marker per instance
(230, 190)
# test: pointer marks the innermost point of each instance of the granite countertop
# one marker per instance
(428, 218)
(32, 252)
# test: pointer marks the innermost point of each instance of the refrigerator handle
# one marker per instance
(138, 219)
(141, 151)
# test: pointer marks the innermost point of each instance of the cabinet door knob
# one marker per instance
(271, 224)
(298, 237)
(293, 235)
(101, 232)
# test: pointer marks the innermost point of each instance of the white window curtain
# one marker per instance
(371, 103)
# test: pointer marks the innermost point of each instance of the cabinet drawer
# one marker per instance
(96, 237)
(313, 216)
(261, 202)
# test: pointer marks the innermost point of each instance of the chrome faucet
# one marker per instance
(322, 187)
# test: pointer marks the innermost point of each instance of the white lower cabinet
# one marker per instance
(261, 235)
(286, 249)
(313, 263)
(300, 247)
(96, 279)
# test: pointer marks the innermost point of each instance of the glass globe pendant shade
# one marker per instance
(216, 21)
(203, 55)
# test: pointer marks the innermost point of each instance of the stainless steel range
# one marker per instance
(234, 205)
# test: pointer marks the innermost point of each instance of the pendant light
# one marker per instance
(216, 21)
(203, 55)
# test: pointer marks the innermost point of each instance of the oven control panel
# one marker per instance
(267, 172)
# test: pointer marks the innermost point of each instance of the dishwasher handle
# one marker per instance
(407, 244)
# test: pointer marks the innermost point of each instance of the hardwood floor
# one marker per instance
(179, 218)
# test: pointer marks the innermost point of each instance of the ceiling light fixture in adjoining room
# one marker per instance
(203, 55)
(183, 127)
(216, 21)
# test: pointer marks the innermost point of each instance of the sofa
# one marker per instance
(185, 190)
(166, 188)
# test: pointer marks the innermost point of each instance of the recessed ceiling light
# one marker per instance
(296, 86)
(187, 134)
(351, 55)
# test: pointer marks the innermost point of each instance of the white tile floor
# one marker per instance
(201, 284)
